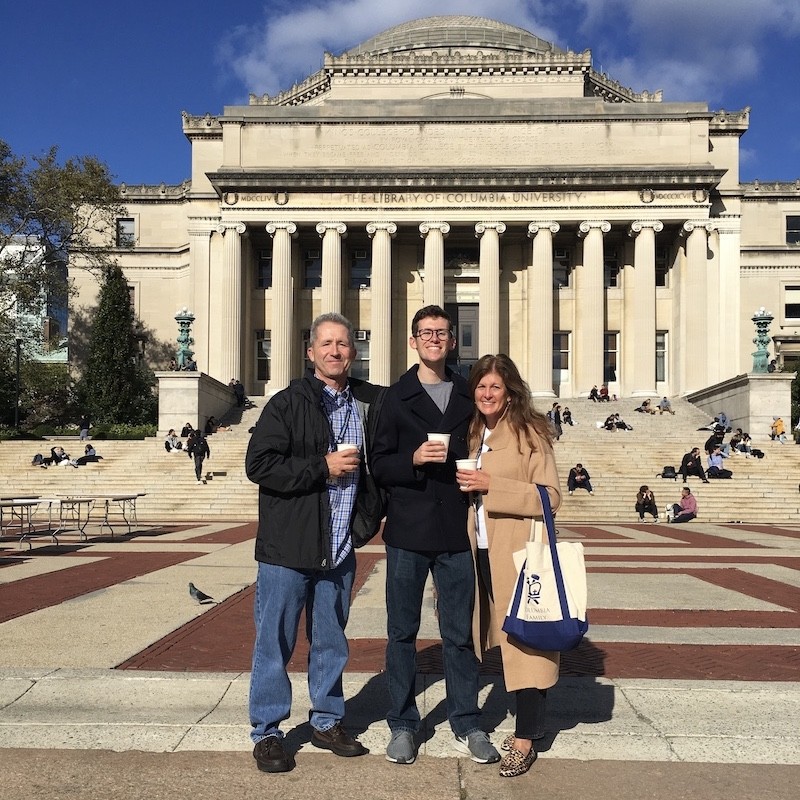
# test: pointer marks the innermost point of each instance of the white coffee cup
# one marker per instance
(346, 446)
(441, 437)
(466, 463)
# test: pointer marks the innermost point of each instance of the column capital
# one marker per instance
(600, 224)
(337, 227)
(729, 224)
(482, 227)
(535, 227)
(273, 227)
(638, 225)
(203, 226)
(374, 227)
(696, 224)
(426, 227)
(237, 227)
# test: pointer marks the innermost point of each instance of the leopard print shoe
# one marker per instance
(507, 743)
(515, 763)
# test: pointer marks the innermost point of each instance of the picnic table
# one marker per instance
(68, 511)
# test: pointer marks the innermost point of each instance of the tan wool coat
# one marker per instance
(509, 505)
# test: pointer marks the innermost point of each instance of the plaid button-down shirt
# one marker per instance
(345, 424)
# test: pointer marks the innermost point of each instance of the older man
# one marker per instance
(313, 498)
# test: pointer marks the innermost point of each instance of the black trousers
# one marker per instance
(530, 702)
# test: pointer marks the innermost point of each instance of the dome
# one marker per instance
(453, 31)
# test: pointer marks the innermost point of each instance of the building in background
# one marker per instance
(42, 323)
(595, 234)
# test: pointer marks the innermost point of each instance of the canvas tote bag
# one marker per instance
(548, 607)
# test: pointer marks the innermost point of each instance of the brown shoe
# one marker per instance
(515, 762)
(508, 743)
(338, 741)
(271, 755)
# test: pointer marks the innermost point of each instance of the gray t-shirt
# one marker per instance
(439, 393)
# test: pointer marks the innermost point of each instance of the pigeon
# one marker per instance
(201, 597)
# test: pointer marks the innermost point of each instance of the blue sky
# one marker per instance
(111, 80)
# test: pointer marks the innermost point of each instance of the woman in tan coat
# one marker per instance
(513, 444)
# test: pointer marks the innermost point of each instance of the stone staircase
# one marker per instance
(762, 490)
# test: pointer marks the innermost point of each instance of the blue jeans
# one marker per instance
(454, 578)
(281, 595)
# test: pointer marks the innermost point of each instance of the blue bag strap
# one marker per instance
(547, 513)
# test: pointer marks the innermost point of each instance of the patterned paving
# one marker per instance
(717, 602)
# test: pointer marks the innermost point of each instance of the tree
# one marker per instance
(49, 213)
(116, 386)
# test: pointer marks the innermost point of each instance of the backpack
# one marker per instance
(757, 453)
(668, 472)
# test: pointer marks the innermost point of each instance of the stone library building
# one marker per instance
(593, 233)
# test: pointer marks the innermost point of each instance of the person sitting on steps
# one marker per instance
(579, 478)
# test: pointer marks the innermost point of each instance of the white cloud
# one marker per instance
(287, 47)
(692, 49)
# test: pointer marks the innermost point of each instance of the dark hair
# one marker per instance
(644, 488)
(522, 416)
(437, 312)
(338, 319)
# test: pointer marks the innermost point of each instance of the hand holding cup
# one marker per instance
(434, 450)
(346, 458)
(466, 473)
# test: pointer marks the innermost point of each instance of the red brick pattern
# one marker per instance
(221, 638)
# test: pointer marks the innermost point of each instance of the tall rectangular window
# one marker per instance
(560, 350)
(661, 356)
(263, 354)
(792, 230)
(562, 267)
(791, 303)
(610, 268)
(126, 232)
(610, 339)
(360, 367)
(312, 269)
(360, 269)
(264, 269)
(662, 266)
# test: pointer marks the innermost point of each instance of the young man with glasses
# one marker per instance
(426, 532)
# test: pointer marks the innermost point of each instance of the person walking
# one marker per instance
(315, 496)
(199, 451)
(426, 533)
(513, 445)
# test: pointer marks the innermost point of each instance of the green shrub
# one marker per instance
(122, 431)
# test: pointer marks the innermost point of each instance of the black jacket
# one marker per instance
(286, 458)
(427, 511)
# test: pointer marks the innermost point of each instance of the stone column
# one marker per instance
(380, 352)
(200, 230)
(332, 234)
(433, 289)
(489, 285)
(694, 309)
(230, 291)
(540, 309)
(728, 330)
(588, 327)
(282, 318)
(639, 334)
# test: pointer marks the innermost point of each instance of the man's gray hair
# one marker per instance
(338, 319)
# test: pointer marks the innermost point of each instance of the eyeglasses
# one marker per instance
(426, 334)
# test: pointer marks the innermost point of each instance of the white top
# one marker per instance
(480, 519)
